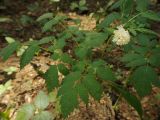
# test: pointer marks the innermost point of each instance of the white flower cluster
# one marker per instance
(121, 36)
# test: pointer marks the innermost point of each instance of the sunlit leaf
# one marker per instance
(28, 55)
(44, 115)
(6, 52)
(25, 112)
(41, 101)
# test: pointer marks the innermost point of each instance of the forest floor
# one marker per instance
(26, 83)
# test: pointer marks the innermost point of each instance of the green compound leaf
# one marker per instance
(44, 115)
(69, 82)
(45, 16)
(51, 78)
(25, 112)
(59, 44)
(154, 60)
(146, 31)
(131, 99)
(130, 57)
(68, 102)
(28, 55)
(68, 93)
(137, 62)
(82, 52)
(142, 78)
(66, 58)
(82, 2)
(98, 63)
(45, 40)
(83, 93)
(127, 7)
(41, 101)
(48, 26)
(93, 86)
(142, 5)
(151, 15)
(63, 69)
(79, 66)
(134, 59)
(108, 20)
(143, 40)
(106, 73)
(94, 39)
(140, 50)
(9, 50)
(116, 5)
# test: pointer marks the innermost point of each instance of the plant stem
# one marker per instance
(109, 39)
(116, 103)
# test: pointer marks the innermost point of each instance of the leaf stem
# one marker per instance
(116, 103)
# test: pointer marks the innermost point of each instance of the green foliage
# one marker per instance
(81, 6)
(25, 112)
(21, 50)
(142, 5)
(41, 101)
(28, 55)
(44, 115)
(9, 50)
(142, 79)
(68, 82)
(68, 102)
(51, 78)
(28, 111)
(141, 53)
(10, 70)
(25, 20)
(151, 15)
(5, 87)
(83, 93)
(9, 39)
(134, 59)
(83, 68)
(52, 22)
(4, 115)
(127, 7)
(63, 69)
(33, 6)
(132, 100)
(105, 73)
(45, 16)
(93, 87)
(73, 86)
(45, 40)
(108, 20)
(68, 93)
(94, 39)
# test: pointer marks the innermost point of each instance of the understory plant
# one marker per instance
(80, 6)
(85, 72)
(37, 109)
